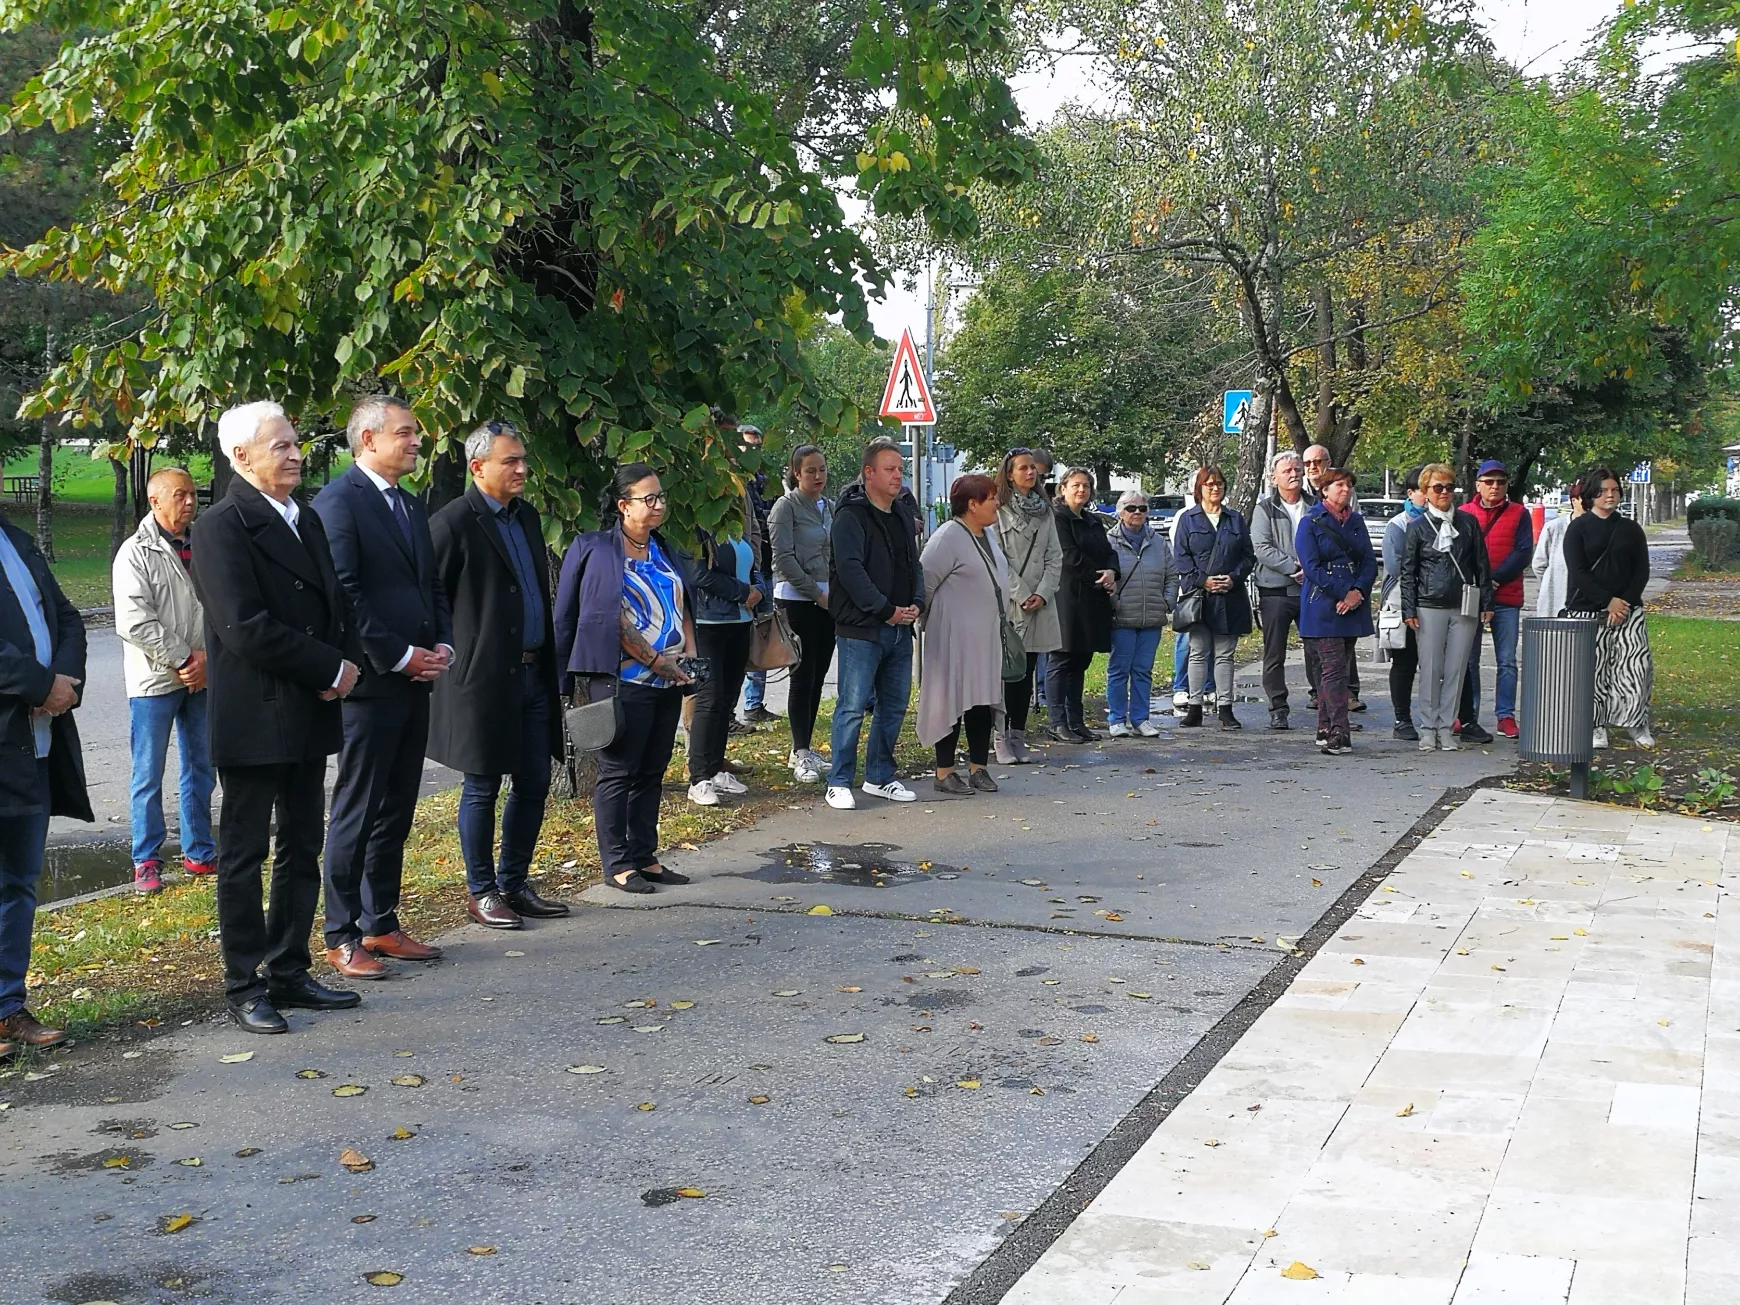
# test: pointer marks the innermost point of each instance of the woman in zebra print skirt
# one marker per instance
(1606, 568)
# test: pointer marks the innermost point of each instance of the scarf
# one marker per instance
(1415, 512)
(1133, 538)
(1032, 506)
(1446, 537)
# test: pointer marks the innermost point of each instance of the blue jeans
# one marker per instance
(1181, 665)
(1506, 621)
(22, 842)
(1130, 675)
(879, 668)
(151, 719)
(754, 690)
(522, 816)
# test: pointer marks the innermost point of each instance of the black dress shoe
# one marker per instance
(527, 902)
(634, 883)
(1084, 735)
(1278, 721)
(1060, 734)
(257, 1015)
(309, 995)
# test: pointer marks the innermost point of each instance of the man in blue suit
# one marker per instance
(380, 548)
(42, 773)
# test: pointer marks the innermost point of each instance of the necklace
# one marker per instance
(639, 546)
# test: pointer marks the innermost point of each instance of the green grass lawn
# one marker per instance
(1697, 676)
(80, 478)
(81, 548)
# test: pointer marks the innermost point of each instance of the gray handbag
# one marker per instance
(595, 723)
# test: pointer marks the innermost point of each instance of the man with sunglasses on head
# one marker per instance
(1318, 465)
(1509, 536)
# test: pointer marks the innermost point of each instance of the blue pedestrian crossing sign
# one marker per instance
(1235, 407)
(1640, 474)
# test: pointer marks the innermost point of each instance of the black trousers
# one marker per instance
(275, 935)
(1064, 674)
(631, 773)
(727, 646)
(1018, 696)
(814, 628)
(1314, 671)
(1280, 613)
(380, 770)
(1404, 665)
(978, 721)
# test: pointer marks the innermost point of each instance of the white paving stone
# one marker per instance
(1512, 1078)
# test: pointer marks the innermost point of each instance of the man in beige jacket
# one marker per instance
(158, 616)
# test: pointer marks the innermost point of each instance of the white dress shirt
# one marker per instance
(387, 490)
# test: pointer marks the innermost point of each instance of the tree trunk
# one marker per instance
(221, 471)
(1103, 476)
(45, 465)
(139, 468)
(446, 475)
(1324, 418)
(118, 518)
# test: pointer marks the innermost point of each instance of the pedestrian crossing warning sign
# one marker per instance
(906, 398)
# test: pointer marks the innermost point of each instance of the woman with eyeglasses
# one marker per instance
(1140, 605)
(622, 619)
(1084, 605)
(1212, 554)
(1027, 534)
(1606, 568)
(1443, 560)
(799, 523)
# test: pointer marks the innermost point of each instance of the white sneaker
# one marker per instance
(1147, 729)
(1643, 738)
(1600, 737)
(1120, 731)
(704, 794)
(817, 760)
(1448, 742)
(1180, 700)
(806, 771)
(893, 791)
(726, 782)
(841, 799)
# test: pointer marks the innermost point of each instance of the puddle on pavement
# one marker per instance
(72, 869)
(848, 865)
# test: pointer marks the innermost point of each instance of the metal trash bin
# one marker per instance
(1556, 722)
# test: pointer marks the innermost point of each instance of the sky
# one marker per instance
(1539, 35)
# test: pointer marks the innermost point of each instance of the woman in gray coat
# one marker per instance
(1027, 532)
(964, 580)
(798, 524)
(1140, 605)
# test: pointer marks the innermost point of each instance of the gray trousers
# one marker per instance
(1205, 643)
(1444, 639)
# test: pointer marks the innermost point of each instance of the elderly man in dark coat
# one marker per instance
(497, 712)
(42, 774)
(281, 650)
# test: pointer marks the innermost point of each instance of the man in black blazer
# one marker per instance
(497, 712)
(281, 651)
(42, 774)
(380, 548)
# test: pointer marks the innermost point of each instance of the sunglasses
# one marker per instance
(1439, 489)
(1316, 462)
(1136, 507)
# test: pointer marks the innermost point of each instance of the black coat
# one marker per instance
(394, 598)
(25, 682)
(1434, 579)
(1200, 550)
(475, 726)
(277, 629)
(1084, 610)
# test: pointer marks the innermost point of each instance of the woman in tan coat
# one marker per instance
(1027, 532)
(965, 583)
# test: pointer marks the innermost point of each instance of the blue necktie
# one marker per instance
(396, 497)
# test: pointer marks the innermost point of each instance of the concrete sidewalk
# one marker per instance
(1513, 1076)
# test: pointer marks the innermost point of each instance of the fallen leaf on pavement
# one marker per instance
(1090, 1037)
(191, 1162)
(383, 1278)
(849, 987)
(311, 1073)
(480, 1250)
(759, 1101)
(355, 1160)
(614, 1019)
(706, 942)
(682, 1005)
(1211, 1141)
(350, 1090)
(820, 910)
(693, 1193)
(118, 1162)
(400, 1134)
(1299, 1271)
(183, 1124)
(408, 1080)
(1581, 933)
(844, 1037)
(971, 1084)
(1140, 996)
(1405, 1111)
(176, 1222)
(787, 992)
(235, 1057)
(363, 1218)
(1358, 961)
(646, 1105)
(586, 1069)
(1317, 883)
(247, 1151)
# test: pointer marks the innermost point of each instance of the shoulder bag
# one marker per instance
(593, 723)
(1014, 651)
(1190, 609)
(773, 644)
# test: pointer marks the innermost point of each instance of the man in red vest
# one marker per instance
(1510, 541)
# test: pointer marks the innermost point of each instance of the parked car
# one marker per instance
(1377, 513)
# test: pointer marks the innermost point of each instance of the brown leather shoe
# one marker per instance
(527, 902)
(7, 1050)
(401, 947)
(493, 912)
(354, 962)
(24, 1027)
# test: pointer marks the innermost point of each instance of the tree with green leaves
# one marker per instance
(571, 216)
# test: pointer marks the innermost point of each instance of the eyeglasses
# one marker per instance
(1493, 480)
(1316, 462)
(1136, 507)
(1439, 489)
(651, 500)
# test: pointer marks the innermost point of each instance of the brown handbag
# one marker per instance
(773, 644)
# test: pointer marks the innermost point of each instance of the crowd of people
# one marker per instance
(271, 634)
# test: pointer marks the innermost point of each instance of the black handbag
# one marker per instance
(595, 723)
(1188, 610)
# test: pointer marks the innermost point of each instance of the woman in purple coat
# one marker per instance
(1336, 556)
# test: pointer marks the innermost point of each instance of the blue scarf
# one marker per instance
(1414, 513)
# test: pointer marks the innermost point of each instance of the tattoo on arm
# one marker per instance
(634, 643)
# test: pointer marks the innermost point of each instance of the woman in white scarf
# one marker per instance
(1442, 559)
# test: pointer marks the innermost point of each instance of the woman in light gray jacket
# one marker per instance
(1140, 605)
(798, 523)
(1027, 534)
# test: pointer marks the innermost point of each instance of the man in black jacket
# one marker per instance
(875, 593)
(42, 664)
(497, 712)
(281, 651)
(379, 536)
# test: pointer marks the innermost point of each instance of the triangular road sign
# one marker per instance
(906, 397)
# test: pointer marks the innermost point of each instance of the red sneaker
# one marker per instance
(199, 867)
(1507, 726)
(1456, 726)
(148, 878)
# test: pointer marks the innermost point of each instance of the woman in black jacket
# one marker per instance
(1442, 557)
(1212, 554)
(1606, 568)
(1084, 606)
